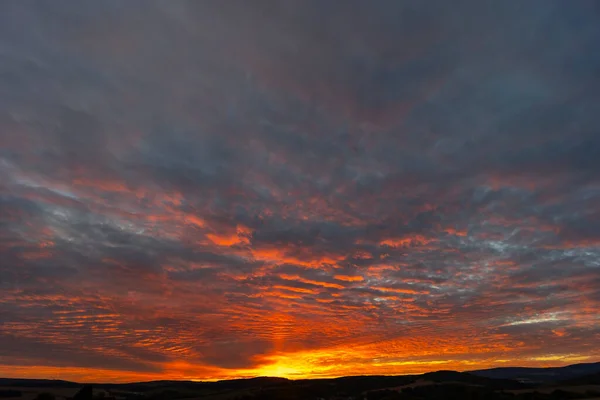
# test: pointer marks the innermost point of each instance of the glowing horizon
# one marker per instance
(184, 372)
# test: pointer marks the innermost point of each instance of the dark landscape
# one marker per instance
(579, 381)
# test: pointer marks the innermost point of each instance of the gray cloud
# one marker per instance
(228, 184)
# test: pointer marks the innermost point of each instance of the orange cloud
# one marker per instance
(417, 240)
(349, 278)
(455, 232)
(241, 236)
(310, 281)
(281, 256)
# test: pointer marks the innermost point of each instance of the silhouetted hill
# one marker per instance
(539, 375)
(484, 384)
(592, 379)
(49, 383)
(471, 379)
(232, 384)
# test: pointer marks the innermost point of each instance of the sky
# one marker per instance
(305, 188)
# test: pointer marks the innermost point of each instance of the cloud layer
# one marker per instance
(297, 188)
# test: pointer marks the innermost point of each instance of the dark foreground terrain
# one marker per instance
(581, 381)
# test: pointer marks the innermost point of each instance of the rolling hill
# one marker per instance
(540, 375)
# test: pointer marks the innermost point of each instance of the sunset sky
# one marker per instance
(297, 188)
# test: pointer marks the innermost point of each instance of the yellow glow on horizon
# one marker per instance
(561, 357)
(325, 363)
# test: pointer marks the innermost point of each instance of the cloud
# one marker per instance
(194, 190)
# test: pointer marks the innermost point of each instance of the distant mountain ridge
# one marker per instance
(365, 382)
(261, 388)
(148, 385)
(49, 383)
(540, 375)
(472, 379)
(585, 371)
(512, 383)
